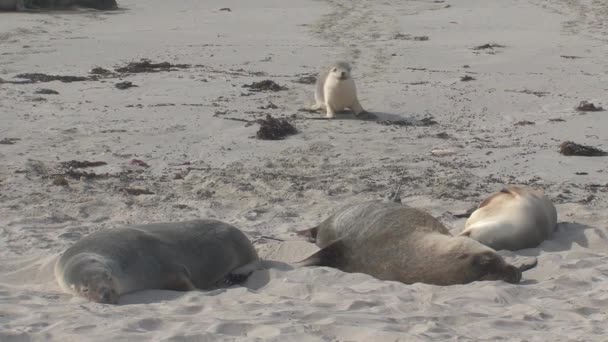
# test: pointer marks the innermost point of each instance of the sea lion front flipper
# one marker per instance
(181, 280)
(527, 264)
(310, 234)
(331, 256)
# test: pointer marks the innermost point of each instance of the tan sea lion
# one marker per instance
(391, 241)
(512, 219)
(335, 91)
(180, 256)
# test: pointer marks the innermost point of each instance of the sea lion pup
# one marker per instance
(335, 91)
(512, 219)
(33, 5)
(391, 241)
(180, 256)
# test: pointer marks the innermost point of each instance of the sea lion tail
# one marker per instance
(310, 234)
(330, 256)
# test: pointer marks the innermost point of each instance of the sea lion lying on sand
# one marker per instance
(180, 256)
(512, 219)
(393, 242)
(29, 5)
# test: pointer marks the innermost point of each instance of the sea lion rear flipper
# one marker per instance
(310, 234)
(331, 256)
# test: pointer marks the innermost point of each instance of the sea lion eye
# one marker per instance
(334, 69)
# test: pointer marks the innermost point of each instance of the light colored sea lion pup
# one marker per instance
(391, 241)
(180, 256)
(512, 219)
(33, 5)
(335, 91)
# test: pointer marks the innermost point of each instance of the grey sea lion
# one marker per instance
(512, 219)
(33, 5)
(335, 91)
(181, 256)
(391, 241)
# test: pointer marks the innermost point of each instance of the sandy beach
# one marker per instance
(492, 85)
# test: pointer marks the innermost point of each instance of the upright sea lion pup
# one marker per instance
(390, 241)
(180, 256)
(514, 218)
(335, 91)
(32, 5)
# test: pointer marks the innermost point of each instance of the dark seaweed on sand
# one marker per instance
(39, 77)
(146, 65)
(569, 148)
(586, 106)
(77, 164)
(274, 129)
(266, 85)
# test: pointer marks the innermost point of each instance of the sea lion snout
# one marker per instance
(512, 274)
(107, 295)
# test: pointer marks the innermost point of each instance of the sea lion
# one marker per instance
(33, 5)
(512, 219)
(181, 256)
(391, 241)
(335, 91)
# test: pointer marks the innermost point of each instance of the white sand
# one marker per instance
(275, 187)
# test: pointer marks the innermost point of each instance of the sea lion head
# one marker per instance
(91, 279)
(340, 71)
(479, 262)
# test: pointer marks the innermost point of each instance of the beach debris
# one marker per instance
(139, 162)
(40, 77)
(427, 121)
(270, 105)
(443, 153)
(60, 181)
(557, 120)
(72, 173)
(307, 79)
(9, 141)
(100, 71)
(524, 123)
(529, 92)
(76, 164)
(402, 36)
(145, 65)
(274, 129)
(45, 91)
(136, 191)
(467, 78)
(491, 46)
(586, 106)
(266, 85)
(124, 85)
(569, 148)
(424, 122)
